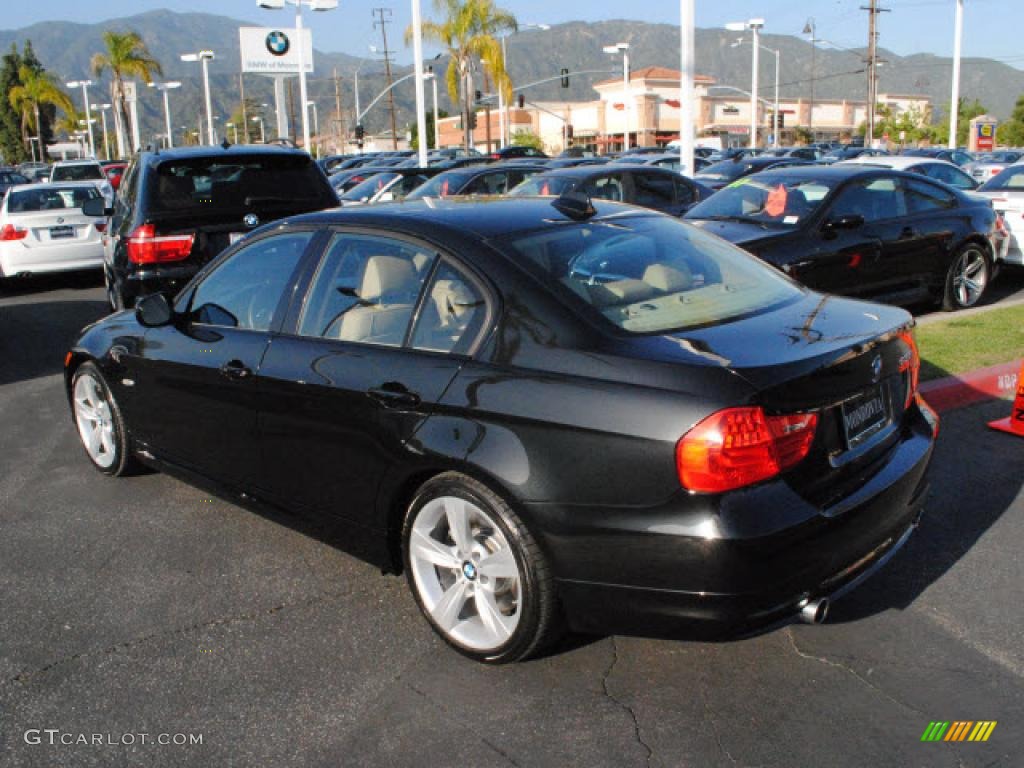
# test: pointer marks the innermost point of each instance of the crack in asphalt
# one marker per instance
(453, 717)
(21, 677)
(711, 722)
(621, 704)
(850, 670)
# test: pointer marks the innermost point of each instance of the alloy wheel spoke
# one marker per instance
(446, 612)
(93, 439)
(107, 440)
(499, 565)
(491, 616)
(86, 410)
(456, 512)
(428, 548)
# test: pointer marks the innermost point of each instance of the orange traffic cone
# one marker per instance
(1014, 423)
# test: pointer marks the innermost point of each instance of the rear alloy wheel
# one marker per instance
(968, 277)
(476, 572)
(99, 422)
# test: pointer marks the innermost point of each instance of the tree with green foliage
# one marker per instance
(469, 31)
(1011, 133)
(12, 143)
(35, 90)
(527, 139)
(939, 132)
(243, 113)
(414, 142)
(126, 56)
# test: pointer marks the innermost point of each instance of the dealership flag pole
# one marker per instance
(954, 109)
(417, 55)
(686, 127)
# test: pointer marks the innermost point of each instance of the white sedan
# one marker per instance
(43, 229)
(1006, 191)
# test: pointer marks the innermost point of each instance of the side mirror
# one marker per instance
(97, 207)
(154, 311)
(852, 221)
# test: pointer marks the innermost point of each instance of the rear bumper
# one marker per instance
(16, 259)
(736, 561)
(156, 279)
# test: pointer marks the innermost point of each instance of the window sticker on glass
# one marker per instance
(791, 220)
(739, 183)
(775, 205)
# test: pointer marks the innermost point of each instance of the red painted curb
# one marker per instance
(973, 387)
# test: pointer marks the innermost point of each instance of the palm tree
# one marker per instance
(36, 88)
(126, 56)
(468, 32)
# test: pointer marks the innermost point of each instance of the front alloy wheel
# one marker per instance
(967, 279)
(476, 572)
(99, 422)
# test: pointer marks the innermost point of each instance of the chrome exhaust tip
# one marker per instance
(815, 611)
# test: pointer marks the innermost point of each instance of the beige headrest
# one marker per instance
(668, 279)
(384, 275)
(452, 299)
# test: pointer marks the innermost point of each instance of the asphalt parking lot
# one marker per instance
(146, 605)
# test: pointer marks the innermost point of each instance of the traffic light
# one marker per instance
(471, 122)
(781, 121)
(479, 95)
(360, 132)
(568, 131)
(565, 77)
(522, 101)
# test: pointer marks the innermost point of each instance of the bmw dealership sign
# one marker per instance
(272, 51)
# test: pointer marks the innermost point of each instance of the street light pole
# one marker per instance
(755, 26)
(103, 116)
(88, 111)
(417, 57)
(623, 48)
(432, 77)
(686, 98)
(778, 56)
(954, 111)
(164, 88)
(810, 28)
(504, 127)
(204, 57)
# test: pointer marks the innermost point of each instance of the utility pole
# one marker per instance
(291, 104)
(245, 117)
(811, 28)
(337, 108)
(873, 11)
(383, 19)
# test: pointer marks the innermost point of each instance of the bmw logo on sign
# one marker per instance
(278, 43)
(251, 220)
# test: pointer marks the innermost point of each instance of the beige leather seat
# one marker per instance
(390, 283)
(447, 315)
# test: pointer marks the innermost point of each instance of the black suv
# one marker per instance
(177, 209)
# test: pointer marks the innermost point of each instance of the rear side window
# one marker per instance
(1010, 179)
(874, 199)
(232, 182)
(923, 197)
(49, 199)
(653, 190)
(453, 313)
(77, 173)
(650, 274)
(545, 186)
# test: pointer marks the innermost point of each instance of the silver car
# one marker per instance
(1006, 191)
(991, 164)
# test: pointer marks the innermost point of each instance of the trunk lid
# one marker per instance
(64, 226)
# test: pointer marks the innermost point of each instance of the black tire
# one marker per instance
(954, 294)
(111, 290)
(539, 624)
(123, 461)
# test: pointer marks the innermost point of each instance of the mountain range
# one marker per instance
(65, 49)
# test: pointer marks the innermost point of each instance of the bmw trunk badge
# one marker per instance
(251, 220)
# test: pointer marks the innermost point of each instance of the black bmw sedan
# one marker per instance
(861, 231)
(543, 412)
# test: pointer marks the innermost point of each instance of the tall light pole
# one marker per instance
(314, 5)
(686, 97)
(810, 28)
(103, 117)
(417, 57)
(503, 116)
(164, 88)
(263, 132)
(623, 48)
(88, 111)
(205, 57)
(778, 55)
(954, 110)
(755, 26)
(432, 77)
(316, 123)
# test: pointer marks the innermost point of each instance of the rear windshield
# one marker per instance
(1010, 179)
(545, 186)
(49, 198)
(727, 170)
(77, 173)
(235, 182)
(650, 274)
(370, 187)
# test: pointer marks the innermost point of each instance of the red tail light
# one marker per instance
(11, 232)
(495, 156)
(145, 247)
(910, 366)
(737, 447)
(101, 226)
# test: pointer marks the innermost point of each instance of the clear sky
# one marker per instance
(992, 27)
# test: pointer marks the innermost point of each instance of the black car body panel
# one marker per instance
(573, 422)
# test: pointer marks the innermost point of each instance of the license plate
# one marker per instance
(234, 237)
(866, 414)
(58, 233)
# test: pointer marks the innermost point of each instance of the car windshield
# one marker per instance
(86, 172)
(442, 185)
(649, 274)
(240, 181)
(49, 198)
(727, 170)
(1011, 179)
(369, 187)
(545, 186)
(999, 157)
(772, 199)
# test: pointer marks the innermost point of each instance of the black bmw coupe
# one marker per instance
(544, 412)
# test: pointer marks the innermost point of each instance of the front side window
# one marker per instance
(243, 291)
(365, 290)
(775, 199)
(646, 274)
